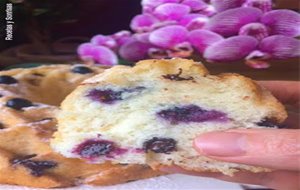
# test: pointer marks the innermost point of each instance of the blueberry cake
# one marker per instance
(150, 114)
(29, 100)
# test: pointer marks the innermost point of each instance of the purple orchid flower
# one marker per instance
(256, 30)
(171, 11)
(193, 21)
(284, 22)
(230, 49)
(220, 30)
(101, 40)
(169, 36)
(229, 22)
(222, 5)
(134, 50)
(277, 47)
(99, 54)
(201, 39)
(122, 37)
(263, 5)
(143, 23)
(195, 5)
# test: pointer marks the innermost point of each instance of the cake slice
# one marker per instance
(150, 114)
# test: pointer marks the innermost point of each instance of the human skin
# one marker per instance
(277, 149)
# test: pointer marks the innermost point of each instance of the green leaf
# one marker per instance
(125, 62)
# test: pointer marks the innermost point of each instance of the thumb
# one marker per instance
(273, 148)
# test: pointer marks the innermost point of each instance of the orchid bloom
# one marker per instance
(219, 30)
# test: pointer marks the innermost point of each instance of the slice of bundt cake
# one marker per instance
(150, 114)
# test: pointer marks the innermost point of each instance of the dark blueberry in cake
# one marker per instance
(18, 103)
(94, 148)
(81, 70)
(266, 122)
(177, 76)
(1, 95)
(22, 159)
(160, 145)
(1, 126)
(105, 96)
(37, 168)
(5, 79)
(109, 96)
(190, 113)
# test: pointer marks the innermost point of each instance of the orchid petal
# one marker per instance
(230, 49)
(105, 56)
(85, 51)
(134, 50)
(229, 22)
(195, 5)
(142, 37)
(208, 11)
(257, 60)
(147, 9)
(201, 39)
(155, 3)
(157, 53)
(257, 64)
(142, 23)
(122, 37)
(100, 54)
(280, 47)
(101, 40)
(169, 36)
(222, 5)
(194, 21)
(184, 49)
(258, 55)
(256, 30)
(171, 11)
(264, 5)
(285, 22)
(163, 24)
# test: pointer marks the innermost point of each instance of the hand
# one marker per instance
(278, 149)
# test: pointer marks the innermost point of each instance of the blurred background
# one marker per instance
(49, 31)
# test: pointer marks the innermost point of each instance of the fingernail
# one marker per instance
(221, 144)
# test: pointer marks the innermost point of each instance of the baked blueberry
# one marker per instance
(160, 145)
(36, 167)
(81, 70)
(18, 103)
(190, 113)
(94, 148)
(269, 123)
(109, 96)
(1, 126)
(5, 79)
